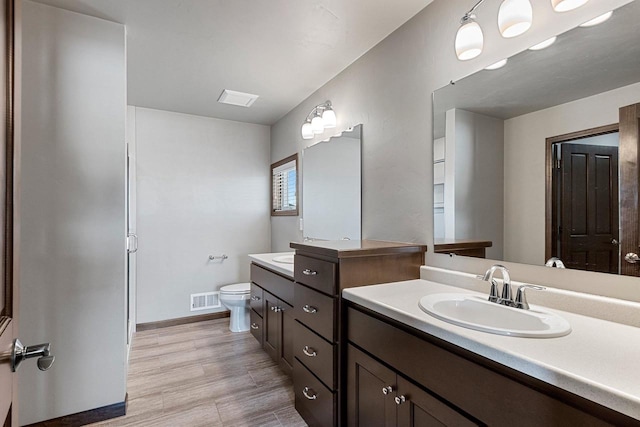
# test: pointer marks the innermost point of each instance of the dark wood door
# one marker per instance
(589, 207)
(8, 294)
(629, 177)
(287, 322)
(371, 389)
(272, 327)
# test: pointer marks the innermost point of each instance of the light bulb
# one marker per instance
(469, 40)
(566, 5)
(307, 131)
(329, 118)
(598, 20)
(514, 17)
(317, 124)
(545, 44)
(497, 65)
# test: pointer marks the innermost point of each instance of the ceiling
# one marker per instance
(181, 54)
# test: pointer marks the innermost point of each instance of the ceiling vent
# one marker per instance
(240, 99)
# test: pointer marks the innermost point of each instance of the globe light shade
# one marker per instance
(598, 20)
(514, 17)
(329, 118)
(566, 5)
(469, 40)
(307, 131)
(317, 125)
(545, 44)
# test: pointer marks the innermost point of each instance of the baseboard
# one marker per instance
(87, 417)
(181, 321)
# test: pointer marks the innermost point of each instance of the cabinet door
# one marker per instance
(417, 408)
(371, 390)
(271, 326)
(286, 337)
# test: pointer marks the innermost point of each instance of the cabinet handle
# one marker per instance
(276, 309)
(308, 351)
(387, 390)
(309, 309)
(400, 400)
(308, 272)
(255, 298)
(306, 391)
(254, 326)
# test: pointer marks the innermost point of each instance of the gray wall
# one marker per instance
(202, 188)
(72, 247)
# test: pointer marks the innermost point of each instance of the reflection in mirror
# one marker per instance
(331, 195)
(540, 157)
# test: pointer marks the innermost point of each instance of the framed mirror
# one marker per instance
(331, 181)
(538, 159)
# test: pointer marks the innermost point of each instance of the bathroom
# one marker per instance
(183, 187)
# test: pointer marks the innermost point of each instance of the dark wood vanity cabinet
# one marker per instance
(436, 383)
(272, 318)
(321, 270)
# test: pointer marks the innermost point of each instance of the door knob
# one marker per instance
(42, 351)
(632, 258)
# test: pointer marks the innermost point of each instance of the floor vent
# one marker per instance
(205, 301)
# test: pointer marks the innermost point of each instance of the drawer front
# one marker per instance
(315, 273)
(256, 326)
(257, 299)
(273, 283)
(315, 310)
(315, 403)
(315, 353)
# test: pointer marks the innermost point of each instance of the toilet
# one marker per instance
(236, 299)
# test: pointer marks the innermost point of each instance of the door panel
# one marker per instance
(286, 337)
(271, 326)
(629, 174)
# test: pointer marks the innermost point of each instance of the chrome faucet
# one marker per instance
(505, 298)
(554, 262)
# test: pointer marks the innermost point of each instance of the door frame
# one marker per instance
(549, 222)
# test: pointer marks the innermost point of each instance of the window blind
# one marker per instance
(284, 187)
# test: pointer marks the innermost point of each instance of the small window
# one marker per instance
(284, 187)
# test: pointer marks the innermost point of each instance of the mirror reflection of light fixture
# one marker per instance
(320, 118)
(545, 44)
(514, 17)
(566, 5)
(497, 65)
(597, 20)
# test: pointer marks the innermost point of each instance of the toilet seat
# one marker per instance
(236, 289)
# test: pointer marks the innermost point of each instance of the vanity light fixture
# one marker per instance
(597, 20)
(566, 5)
(469, 39)
(320, 118)
(497, 65)
(514, 17)
(545, 44)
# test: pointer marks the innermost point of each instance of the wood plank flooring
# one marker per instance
(201, 374)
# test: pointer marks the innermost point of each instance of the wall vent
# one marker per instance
(205, 301)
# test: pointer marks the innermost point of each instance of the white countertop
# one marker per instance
(266, 260)
(597, 360)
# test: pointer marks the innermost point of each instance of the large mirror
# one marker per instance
(331, 194)
(539, 158)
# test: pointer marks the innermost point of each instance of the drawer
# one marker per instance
(317, 311)
(315, 353)
(256, 301)
(315, 403)
(273, 283)
(256, 326)
(315, 273)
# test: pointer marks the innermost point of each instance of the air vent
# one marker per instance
(240, 99)
(205, 301)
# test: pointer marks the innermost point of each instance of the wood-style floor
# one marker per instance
(201, 374)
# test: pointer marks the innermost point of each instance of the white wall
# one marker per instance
(525, 141)
(72, 248)
(389, 90)
(331, 187)
(203, 188)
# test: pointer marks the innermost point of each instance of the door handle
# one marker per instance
(135, 241)
(632, 258)
(42, 351)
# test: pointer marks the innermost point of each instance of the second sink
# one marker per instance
(475, 312)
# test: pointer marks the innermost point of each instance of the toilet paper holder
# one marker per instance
(220, 257)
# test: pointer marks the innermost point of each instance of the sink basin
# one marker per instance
(284, 259)
(475, 312)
